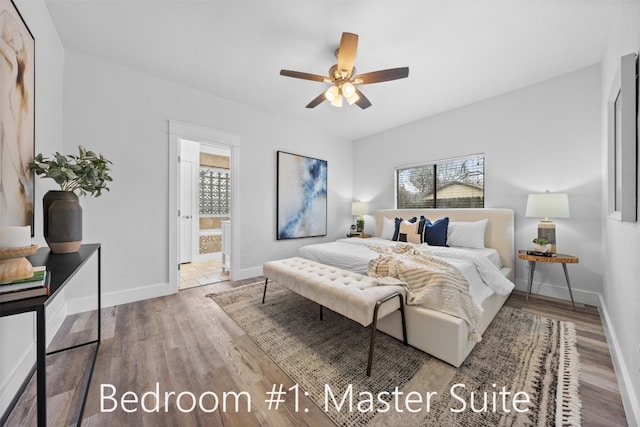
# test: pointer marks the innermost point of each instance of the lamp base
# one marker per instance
(547, 230)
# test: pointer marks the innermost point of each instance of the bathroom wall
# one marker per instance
(210, 240)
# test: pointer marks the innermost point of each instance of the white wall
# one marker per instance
(124, 114)
(621, 240)
(545, 136)
(17, 338)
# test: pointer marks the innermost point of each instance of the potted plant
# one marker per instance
(540, 244)
(87, 174)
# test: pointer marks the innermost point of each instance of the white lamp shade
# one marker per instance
(548, 205)
(348, 89)
(359, 208)
(332, 93)
(353, 98)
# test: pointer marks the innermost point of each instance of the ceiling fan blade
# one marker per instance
(316, 101)
(347, 52)
(301, 75)
(363, 102)
(381, 76)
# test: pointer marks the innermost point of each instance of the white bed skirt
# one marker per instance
(439, 334)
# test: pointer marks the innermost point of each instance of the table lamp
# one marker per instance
(548, 205)
(358, 209)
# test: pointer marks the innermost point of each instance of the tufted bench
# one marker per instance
(353, 295)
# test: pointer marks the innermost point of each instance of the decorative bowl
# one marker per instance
(542, 248)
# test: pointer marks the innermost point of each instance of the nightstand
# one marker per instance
(558, 259)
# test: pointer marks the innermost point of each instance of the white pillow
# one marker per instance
(388, 228)
(467, 234)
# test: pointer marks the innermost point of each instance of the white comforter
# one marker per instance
(354, 254)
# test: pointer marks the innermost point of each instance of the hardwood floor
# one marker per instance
(186, 343)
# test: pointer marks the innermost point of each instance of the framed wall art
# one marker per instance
(17, 118)
(622, 131)
(301, 196)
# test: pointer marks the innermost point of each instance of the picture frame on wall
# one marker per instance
(17, 118)
(622, 134)
(301, 196)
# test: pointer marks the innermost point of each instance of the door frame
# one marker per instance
(180, 130)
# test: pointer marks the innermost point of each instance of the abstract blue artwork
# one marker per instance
(302, 196)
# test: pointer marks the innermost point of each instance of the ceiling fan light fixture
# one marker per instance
(343, 77)
(348, 89)
(332, 94)
(353, 98)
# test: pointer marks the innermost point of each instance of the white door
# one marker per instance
(189, 170)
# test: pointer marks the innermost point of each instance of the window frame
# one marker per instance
(435, 164)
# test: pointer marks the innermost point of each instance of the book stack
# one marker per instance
(536, 253)
(34, 286)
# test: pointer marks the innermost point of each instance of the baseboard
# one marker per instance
(110, 299)
(560, 292)
(629, 399)
(81, 304)
(247, 273)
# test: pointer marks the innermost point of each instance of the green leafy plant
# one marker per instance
(86, 173)
(541, 241)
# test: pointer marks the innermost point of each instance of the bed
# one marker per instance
(442, 335)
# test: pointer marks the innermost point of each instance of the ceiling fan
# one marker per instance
(342, 78)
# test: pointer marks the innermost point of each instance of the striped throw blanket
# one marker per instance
(428, 281)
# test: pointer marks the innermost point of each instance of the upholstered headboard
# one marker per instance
(499, 233)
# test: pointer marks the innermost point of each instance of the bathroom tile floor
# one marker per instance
(201, 273)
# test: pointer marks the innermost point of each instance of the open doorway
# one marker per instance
(184, 131)
(205, 212)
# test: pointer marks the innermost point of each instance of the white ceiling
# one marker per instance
(458, 51)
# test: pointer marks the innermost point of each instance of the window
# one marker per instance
(450, 183)
(215, 191)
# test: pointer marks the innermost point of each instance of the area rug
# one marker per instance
(524, 372)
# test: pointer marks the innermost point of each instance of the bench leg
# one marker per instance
(374, 326)
(264, 293)
(404, 322)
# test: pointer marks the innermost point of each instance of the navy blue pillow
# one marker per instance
(397, 228)
(435, 234)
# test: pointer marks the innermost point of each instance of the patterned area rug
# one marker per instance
(524, 372)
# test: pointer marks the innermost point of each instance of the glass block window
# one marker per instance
(449, 183)
(215, 191)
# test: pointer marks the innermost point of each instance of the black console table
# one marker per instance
(60, 269)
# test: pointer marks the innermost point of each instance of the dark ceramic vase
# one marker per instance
(62, 221)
